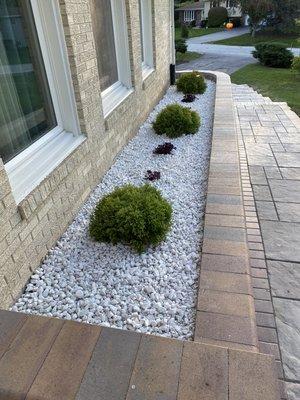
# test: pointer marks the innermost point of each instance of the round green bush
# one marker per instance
(296, 64)
(175, 120)
(217, 16)
(137, 216)
(191, 83)
(180, 45)
(184, 31)
(273, 54)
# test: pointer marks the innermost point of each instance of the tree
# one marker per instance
(257, 10)
(284, 15)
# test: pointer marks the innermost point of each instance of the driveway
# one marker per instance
(219, 57)
(219, 35)
(216, 57)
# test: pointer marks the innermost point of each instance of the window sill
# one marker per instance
(146, 71)
(113, 97)
(27, 174)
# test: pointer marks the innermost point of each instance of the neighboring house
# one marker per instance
(234, 11)
(198, 11)
(77, 78)
(193, 11)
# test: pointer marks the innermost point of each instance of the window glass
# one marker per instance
(105, 42)
(26, 110)
(145, 7)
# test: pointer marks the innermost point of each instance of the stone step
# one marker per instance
(47, 358)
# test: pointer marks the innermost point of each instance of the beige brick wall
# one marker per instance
(29, 229)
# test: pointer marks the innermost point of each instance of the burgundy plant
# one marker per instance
(152, 175)
(188, 98)
(165, 148)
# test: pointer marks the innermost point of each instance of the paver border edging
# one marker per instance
(225, 309)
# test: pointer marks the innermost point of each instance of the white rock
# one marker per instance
(112, 285)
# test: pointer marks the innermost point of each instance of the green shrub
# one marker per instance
(184, 31)
(137, 216)
(217, 16)
(175, 120)
(180, 45)
(177, 23)
(191, 83)
(193, 23)
(296, 64)
(273, 55)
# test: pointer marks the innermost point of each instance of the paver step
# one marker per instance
(46, 358)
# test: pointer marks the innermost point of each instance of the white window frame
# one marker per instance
(189, 15)
(147, 37)
(27, 169)
(116, 93)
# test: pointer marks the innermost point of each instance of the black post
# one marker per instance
(172, 74)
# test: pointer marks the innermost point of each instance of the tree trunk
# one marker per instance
(253, 31)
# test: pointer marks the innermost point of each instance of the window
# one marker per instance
(37, 106)
(229, 3)
(111, 38)
(189, 16)
(146, 36)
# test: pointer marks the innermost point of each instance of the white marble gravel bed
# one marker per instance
(154, 292)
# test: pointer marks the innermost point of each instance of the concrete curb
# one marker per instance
(225, 309)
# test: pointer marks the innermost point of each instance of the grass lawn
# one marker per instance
(277, 83)
(194, 32)
(186, 57)
(247, 40)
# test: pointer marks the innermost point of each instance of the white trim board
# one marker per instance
(31, 166)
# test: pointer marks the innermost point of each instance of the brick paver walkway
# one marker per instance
(51, 359)
(270, 167)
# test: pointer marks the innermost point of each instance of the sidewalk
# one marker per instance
(225, 34)
(270, 151)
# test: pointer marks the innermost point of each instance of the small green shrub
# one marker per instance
(184, 31)
(217, 16)
(177, 23)
(175, 120)
(137, 216)
(273, 54)
(191, 83)
(180, 45)
(296, 65)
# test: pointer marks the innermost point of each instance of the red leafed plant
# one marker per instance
(165, 148)
(152, 175)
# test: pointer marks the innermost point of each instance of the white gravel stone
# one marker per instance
(154, 292)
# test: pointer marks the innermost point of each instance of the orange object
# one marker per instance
(229, 25)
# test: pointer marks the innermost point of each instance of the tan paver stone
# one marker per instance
(227, 328)
(225, 247)
(258, 374)
(225, 303)
(204, 373)
(156, 370)
(226, 282)
(27, 352)
(224, 220)
(64, 367)
(215, 262)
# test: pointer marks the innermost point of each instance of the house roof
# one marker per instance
(199, 5)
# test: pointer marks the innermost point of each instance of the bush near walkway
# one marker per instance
(191, 83)
(273, 55)
(175, 120)
(138, 216)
